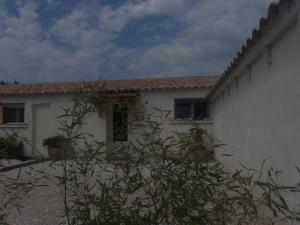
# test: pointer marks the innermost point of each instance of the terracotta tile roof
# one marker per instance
(274, 12)
(111, 85)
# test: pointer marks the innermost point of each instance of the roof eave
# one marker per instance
(266, 35)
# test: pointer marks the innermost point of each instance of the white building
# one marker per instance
(256, 104)
(254, 107)
(32, 110)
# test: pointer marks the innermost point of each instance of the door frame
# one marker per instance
(34, 151)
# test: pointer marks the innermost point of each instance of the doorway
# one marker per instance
(42, 127)
(117, 128)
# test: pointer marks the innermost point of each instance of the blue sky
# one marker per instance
(66, 40)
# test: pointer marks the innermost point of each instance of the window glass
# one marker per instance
(120, 123)
(13, 113)
(200, 110)
(183, 110)
(196, 109)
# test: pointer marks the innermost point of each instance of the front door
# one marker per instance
(117, 129)
(42, 128)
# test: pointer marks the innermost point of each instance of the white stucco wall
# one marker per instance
(160, 105)
(261, 118)
(165, 100)
(41, 112)
(47, 118)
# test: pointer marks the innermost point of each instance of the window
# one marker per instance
(12, 113)
(196, 109)
(120, 123)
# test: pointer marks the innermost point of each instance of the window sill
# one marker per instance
(14, 125)
(189, 122)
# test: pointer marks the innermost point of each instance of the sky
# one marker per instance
(68, 40)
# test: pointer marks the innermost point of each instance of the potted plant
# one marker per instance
(56, 147)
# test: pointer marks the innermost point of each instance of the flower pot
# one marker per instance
(56, 154)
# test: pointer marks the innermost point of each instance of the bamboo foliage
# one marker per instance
(160, 183)
(171, 179)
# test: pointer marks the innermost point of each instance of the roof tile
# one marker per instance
(111, 85)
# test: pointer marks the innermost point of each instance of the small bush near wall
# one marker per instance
(12, 146)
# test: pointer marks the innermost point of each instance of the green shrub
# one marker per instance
(162, 182)
(166, 180)
(57, 141)
(11, 146)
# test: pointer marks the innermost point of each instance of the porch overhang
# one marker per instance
(108, 99)
(119, 96)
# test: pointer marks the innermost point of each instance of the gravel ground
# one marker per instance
(43, 206)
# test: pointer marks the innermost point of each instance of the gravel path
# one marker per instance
(43, 206)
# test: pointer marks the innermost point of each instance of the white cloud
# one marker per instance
(82, 43)
(212, 33)
(50, 2)
(28, 55)
(116, 19)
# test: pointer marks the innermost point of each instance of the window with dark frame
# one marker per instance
(120, 123)
(13, 113)
(196, 109)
